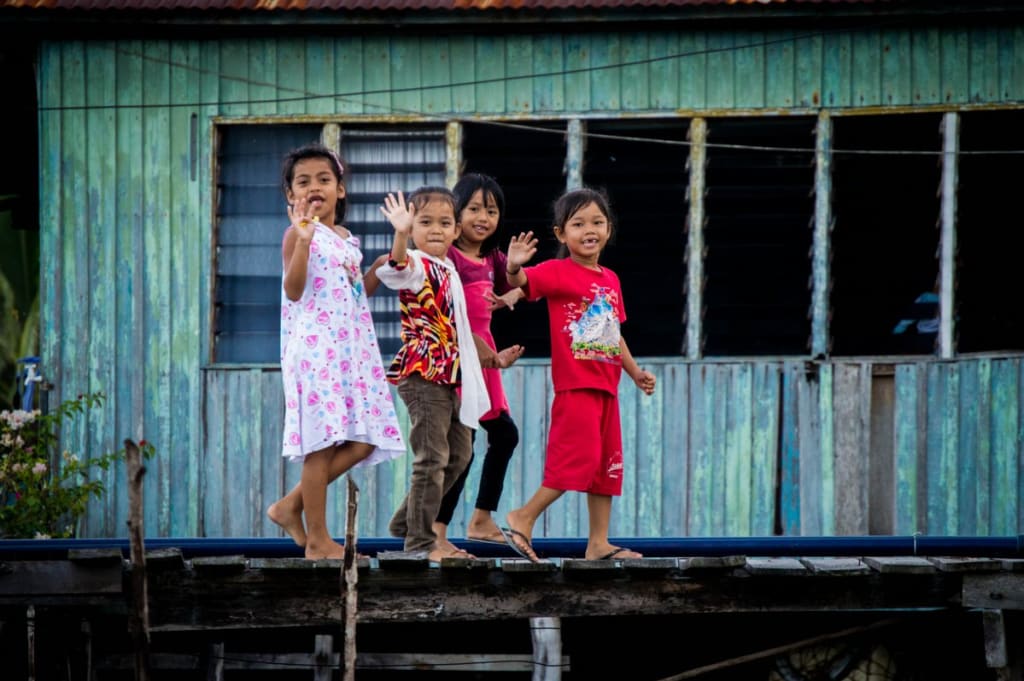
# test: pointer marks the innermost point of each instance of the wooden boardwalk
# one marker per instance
(206, 600)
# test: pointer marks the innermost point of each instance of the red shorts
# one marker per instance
(584, 451)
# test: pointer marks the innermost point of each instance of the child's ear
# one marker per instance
(559, 234)
(341, 189)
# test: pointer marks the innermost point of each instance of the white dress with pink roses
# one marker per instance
(334, 384)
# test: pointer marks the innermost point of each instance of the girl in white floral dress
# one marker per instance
(339, 411)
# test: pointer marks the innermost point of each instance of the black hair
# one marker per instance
(465, 188)
(314, 150)
(574, 200)
(424, 195)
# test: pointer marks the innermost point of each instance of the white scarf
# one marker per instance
(475, 401)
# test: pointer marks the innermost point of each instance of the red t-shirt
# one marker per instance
(585, 310)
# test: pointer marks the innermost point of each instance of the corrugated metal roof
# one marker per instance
(389, 4)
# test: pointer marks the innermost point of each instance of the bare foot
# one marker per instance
(518, 538)
(609, 552)
(445, 547)
(327, 549)
(289, 521)
(485, 530)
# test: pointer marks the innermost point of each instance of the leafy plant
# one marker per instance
(42, 495)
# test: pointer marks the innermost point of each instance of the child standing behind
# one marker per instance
(438, 358)
(479, 206)
(338, 407)
(588, 354)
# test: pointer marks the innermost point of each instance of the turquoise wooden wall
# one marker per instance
(127, 203)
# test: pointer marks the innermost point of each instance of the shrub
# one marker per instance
(42, 495)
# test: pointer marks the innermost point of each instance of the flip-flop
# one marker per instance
(617, 551)
(510, 535)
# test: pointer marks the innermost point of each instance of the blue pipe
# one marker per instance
(554, 547)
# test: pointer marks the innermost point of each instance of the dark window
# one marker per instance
(252, 219)
(988, 288)
(528, 164)
(758, 236)
(646, 183)
(251, 222)
(885, 241)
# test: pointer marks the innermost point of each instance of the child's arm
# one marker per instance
(520, 250)
(644, 379)
(295, 249)
(370, 280)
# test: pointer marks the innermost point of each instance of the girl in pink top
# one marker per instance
(588, 354)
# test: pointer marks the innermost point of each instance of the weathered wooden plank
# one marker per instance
(321, 65)
(548, 90)
(954, 53)
(866, 49)
(376, 71)
(943, 436)
(1000, 591)
(881, 454)
(437, 75)
(809, 78)
(983, 71)
(518, 63)
(349, 75)
(263, 86)
(644, 472)
(1005, 426)
(777, 567)
(837, 69)
(663, 71)
(624, 509)
(674, 393)
(896, 58)
(59, 577)
(693, 76)
(809, 415)
(721, 89)
(100, 211)
(605, 82)
(701, 428)
(634, 84)
(750, 60)
(836, 566)
(489, 69)
(740, 449)
(925, 66)
(185, 383)
(851, 462)
(157, 312)
(966, 564)
(780, 70)
(908, 565)
(789, 451)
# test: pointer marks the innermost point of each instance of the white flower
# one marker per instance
(40, 535)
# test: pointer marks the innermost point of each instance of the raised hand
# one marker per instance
(507, 356)
(303, 217)
(521, 249)
(398, 213)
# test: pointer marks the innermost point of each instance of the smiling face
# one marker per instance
(585, 234)
(433, 227)
(315, 180)
(478, 220)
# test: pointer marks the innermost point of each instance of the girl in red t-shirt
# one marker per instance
(588, 354)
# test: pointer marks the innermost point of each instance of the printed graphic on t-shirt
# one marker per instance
(593, 326)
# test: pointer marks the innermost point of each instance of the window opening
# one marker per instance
(885, 241)
(988, 282)
(384, 159)
(758, 236)
(251, 220)
(647, 186)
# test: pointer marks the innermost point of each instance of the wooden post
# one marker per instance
(349, 580)
(140, 613)
(453, 159)
(323, 651)
(30, 641)
(821, 270)
(575, 146)
(698, 136)
(546, 633)
(947, 239)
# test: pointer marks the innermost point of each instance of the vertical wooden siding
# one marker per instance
(127, 177)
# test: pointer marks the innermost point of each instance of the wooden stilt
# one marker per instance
(323, 658)
(349, 581)
(215, 662)
(546, 633)
(140, 599)
(30, 640)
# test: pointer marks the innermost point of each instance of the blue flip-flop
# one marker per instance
(510, 539)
